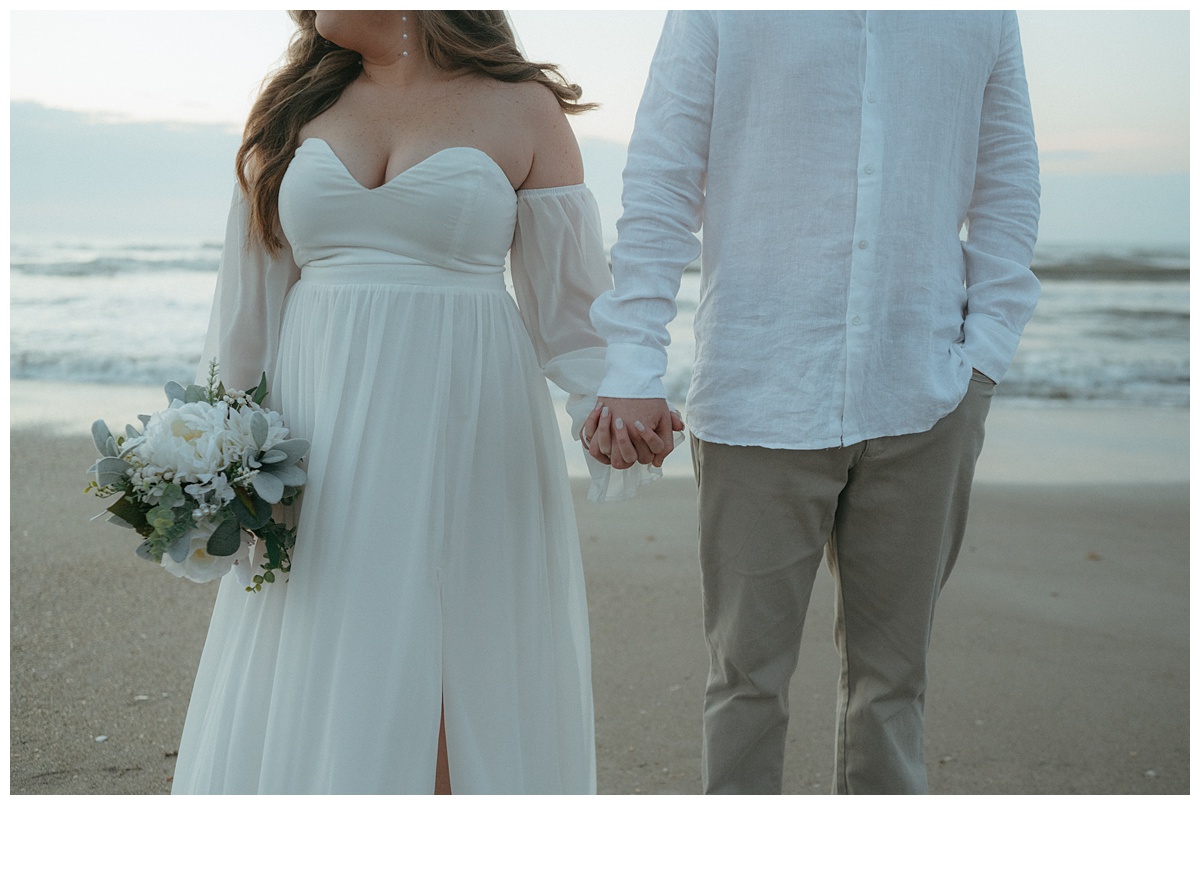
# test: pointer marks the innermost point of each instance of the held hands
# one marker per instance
(624, 432)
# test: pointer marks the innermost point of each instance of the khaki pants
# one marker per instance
(889, 515)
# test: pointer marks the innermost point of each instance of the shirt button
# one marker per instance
(871, 97)
(856, 321)
(862, 244)
(868, 169)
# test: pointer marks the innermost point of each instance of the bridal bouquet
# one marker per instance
(198, 482)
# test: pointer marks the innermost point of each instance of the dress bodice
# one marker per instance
(454, 211)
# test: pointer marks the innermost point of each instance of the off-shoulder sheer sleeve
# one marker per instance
(558, 269)
(252, 284)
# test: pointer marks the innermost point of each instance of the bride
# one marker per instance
(433, 630)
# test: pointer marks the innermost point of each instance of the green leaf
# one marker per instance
(172, 496)
(179, 549)
(143, 550)
(131, 514)
(250, 509)
(195, 394)
(226, 540)
(274, 552)
(260, 390)
(175, 391)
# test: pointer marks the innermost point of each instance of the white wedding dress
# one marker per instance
(437, 559)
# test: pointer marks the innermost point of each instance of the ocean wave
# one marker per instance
(102, 369)
(111, 266)
(1133, 265)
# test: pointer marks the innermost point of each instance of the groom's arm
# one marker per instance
(663, 202)
(1002, 220)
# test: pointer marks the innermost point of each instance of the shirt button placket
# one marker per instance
(863, 268)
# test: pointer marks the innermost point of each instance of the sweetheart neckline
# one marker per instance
(461, 147)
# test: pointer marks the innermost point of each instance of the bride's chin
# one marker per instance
(360, 31)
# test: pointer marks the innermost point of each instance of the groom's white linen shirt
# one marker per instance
(832, 159)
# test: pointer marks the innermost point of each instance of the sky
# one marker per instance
(1110, 91)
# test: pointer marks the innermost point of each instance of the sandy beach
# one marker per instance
(1060, 660)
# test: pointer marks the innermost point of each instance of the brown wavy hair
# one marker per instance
(315, 72)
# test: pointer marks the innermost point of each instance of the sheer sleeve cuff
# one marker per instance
(608, 483)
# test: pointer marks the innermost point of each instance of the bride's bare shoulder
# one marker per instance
(556, 158)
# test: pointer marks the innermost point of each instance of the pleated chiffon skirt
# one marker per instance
(437, 563)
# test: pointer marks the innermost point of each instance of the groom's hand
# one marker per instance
(624, 432)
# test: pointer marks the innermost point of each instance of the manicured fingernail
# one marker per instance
(639, 425)
(604, 412)
(618, 424)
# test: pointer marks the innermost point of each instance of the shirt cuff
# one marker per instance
(634, 371)
(989, 345)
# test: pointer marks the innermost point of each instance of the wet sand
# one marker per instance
(1060, 659)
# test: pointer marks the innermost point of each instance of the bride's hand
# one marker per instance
(602, 433)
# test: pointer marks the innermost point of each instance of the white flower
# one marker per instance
(185, 441)
(240, 437)
(246, 562)
(216, 486)
(199, 565)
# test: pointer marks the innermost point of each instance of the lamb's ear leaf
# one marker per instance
(294, 448)
(269, 486)
(175, 391)
(259, 429)
(289, 474)
(100, 436)
(110, 470)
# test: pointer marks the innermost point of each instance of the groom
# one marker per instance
(847, 342)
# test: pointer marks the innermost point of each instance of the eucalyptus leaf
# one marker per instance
(143, 550)
(195, 394)
(179, 548)
(101, 435)
(175, 391)
(259, 428)
(130, 513)
(226, 540)
(250, 509)
(172, 496)
(110, 470)
(269, 486)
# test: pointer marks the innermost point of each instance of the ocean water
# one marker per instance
(1112, 325)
